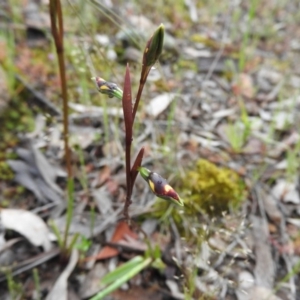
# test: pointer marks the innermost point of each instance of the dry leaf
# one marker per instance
(247, 289)
(158, 104)
(286, 192)
(91, 284)
(121, 232)
(264, 270)
(27, 224)
(60, 288)
(46, 170)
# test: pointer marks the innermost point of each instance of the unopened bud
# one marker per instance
(154, 47)
(160, 186)
(108, 88)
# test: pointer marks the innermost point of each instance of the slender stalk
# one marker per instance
(37, 285)
(152, 52)
(138, 96)
(136, 165)
(58, 35)
(57, 32)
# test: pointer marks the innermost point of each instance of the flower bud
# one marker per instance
(160, 186)
(154, 47)
(108, 88)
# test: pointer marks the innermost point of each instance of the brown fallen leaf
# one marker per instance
(130, 243)
(121, 232)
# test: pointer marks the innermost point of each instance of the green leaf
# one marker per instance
(136, 265)
(121, 270)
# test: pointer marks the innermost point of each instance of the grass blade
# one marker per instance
(121, 280)
(122, 270)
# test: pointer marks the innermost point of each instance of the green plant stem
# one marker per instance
(294, 271)
(69, 212)
(57, 233)
(37, 283)
(137, 100)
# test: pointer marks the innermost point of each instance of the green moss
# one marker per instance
(18, 114)
(207, 189)
(17, 117)
(212, 189)
(5, 171)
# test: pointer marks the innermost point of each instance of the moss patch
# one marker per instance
(206, 189)
(16, 118)
(5, 171)
(212, 189)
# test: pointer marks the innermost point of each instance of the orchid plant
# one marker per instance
(157, 184)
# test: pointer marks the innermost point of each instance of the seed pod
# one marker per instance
(160, 186)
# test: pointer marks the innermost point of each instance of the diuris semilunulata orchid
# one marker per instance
(160, 187)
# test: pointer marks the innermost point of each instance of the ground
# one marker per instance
(219, 118)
